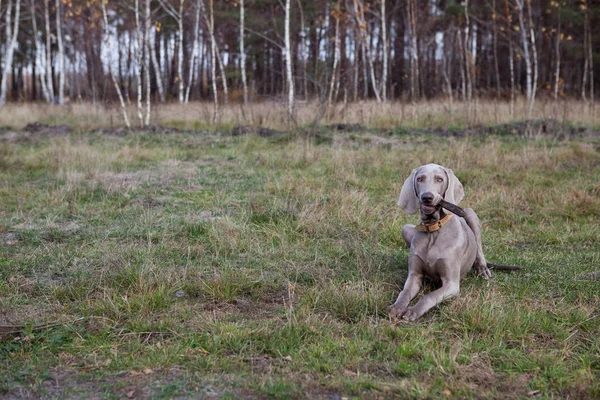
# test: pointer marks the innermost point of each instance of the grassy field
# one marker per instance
(189, 266)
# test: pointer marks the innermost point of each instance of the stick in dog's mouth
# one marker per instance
(453, 208)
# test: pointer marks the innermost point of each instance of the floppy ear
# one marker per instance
(408, 199)
(455, 191)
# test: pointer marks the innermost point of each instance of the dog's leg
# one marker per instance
(480, 264)
(411, 288)
(450, 288)
(408, 232)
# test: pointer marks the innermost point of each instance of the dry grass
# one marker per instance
(271, 114)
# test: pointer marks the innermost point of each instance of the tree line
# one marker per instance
(144, 51)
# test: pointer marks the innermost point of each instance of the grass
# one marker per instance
(197, 116)
(209, 266)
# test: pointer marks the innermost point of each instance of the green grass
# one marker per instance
(190, 266)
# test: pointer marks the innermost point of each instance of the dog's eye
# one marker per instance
(439, 180)
(421, 179)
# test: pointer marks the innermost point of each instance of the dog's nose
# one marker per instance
(427, 197)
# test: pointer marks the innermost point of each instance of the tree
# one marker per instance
(12, 31)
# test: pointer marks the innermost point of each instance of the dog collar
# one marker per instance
(436, 226)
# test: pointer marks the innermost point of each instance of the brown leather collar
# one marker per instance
(436, 226)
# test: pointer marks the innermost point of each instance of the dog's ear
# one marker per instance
(455, 192)
(408, 198)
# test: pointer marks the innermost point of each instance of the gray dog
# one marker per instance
(443, 246)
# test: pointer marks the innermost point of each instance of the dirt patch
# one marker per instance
(526, 129)
(479, 375)
(47, 130)
(256, 130)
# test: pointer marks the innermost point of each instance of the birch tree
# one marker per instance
(49, 77)
(177, 15)
(60, 56)
(243, 51)
(12, 31)
(194, 53)
(526, 56)
(336, 53)
(109, 45)
(557, 54)
(359, 12)
(535, 59)
(413, 49)
(384, 44)
(147, 29)
(288, 63)
(37, 53)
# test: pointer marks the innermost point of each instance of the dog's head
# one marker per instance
(427, 186)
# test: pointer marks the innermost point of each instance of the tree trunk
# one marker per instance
(336, 57)
(138, 61)
(495, 45)
(362, 27)
(180, 53)
(11, 41)
(49, 77)
(60, 56)
(384, 72)
(194, 53)
(535, 60)
(529, 84)
(468, 54)
(110, 66)
(37, 52)
(557, 56)
(148, 25)
(156, 65)
(243, 51)
(288, 64)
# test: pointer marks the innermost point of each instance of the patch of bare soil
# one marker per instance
(255, 130)
(526, 129)
(480, 376)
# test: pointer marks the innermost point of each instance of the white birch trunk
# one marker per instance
(535, 60)
(243, 52)
(138, 62)
(156, 66)
(37, 53)
(180, 53)
(525, 41)
(495, 44)
(468, 54)
(194, 53)
(384, 72)
(288, 63)
(213, 60)
(303, 47)
(148, 25)
(362, 27)
(60, 56)
(49, 78)
(11, 41)
(109, 45)
(557, 57)
(336, 57)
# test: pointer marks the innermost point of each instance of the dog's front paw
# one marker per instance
(396, 311)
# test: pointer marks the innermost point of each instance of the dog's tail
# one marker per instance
(504, 267)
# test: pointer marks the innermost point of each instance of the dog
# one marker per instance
(443, 247)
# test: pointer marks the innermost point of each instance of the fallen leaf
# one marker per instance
(347, 372)
(131, 394)
(287, 358)
(147, 371)
(447, 392)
